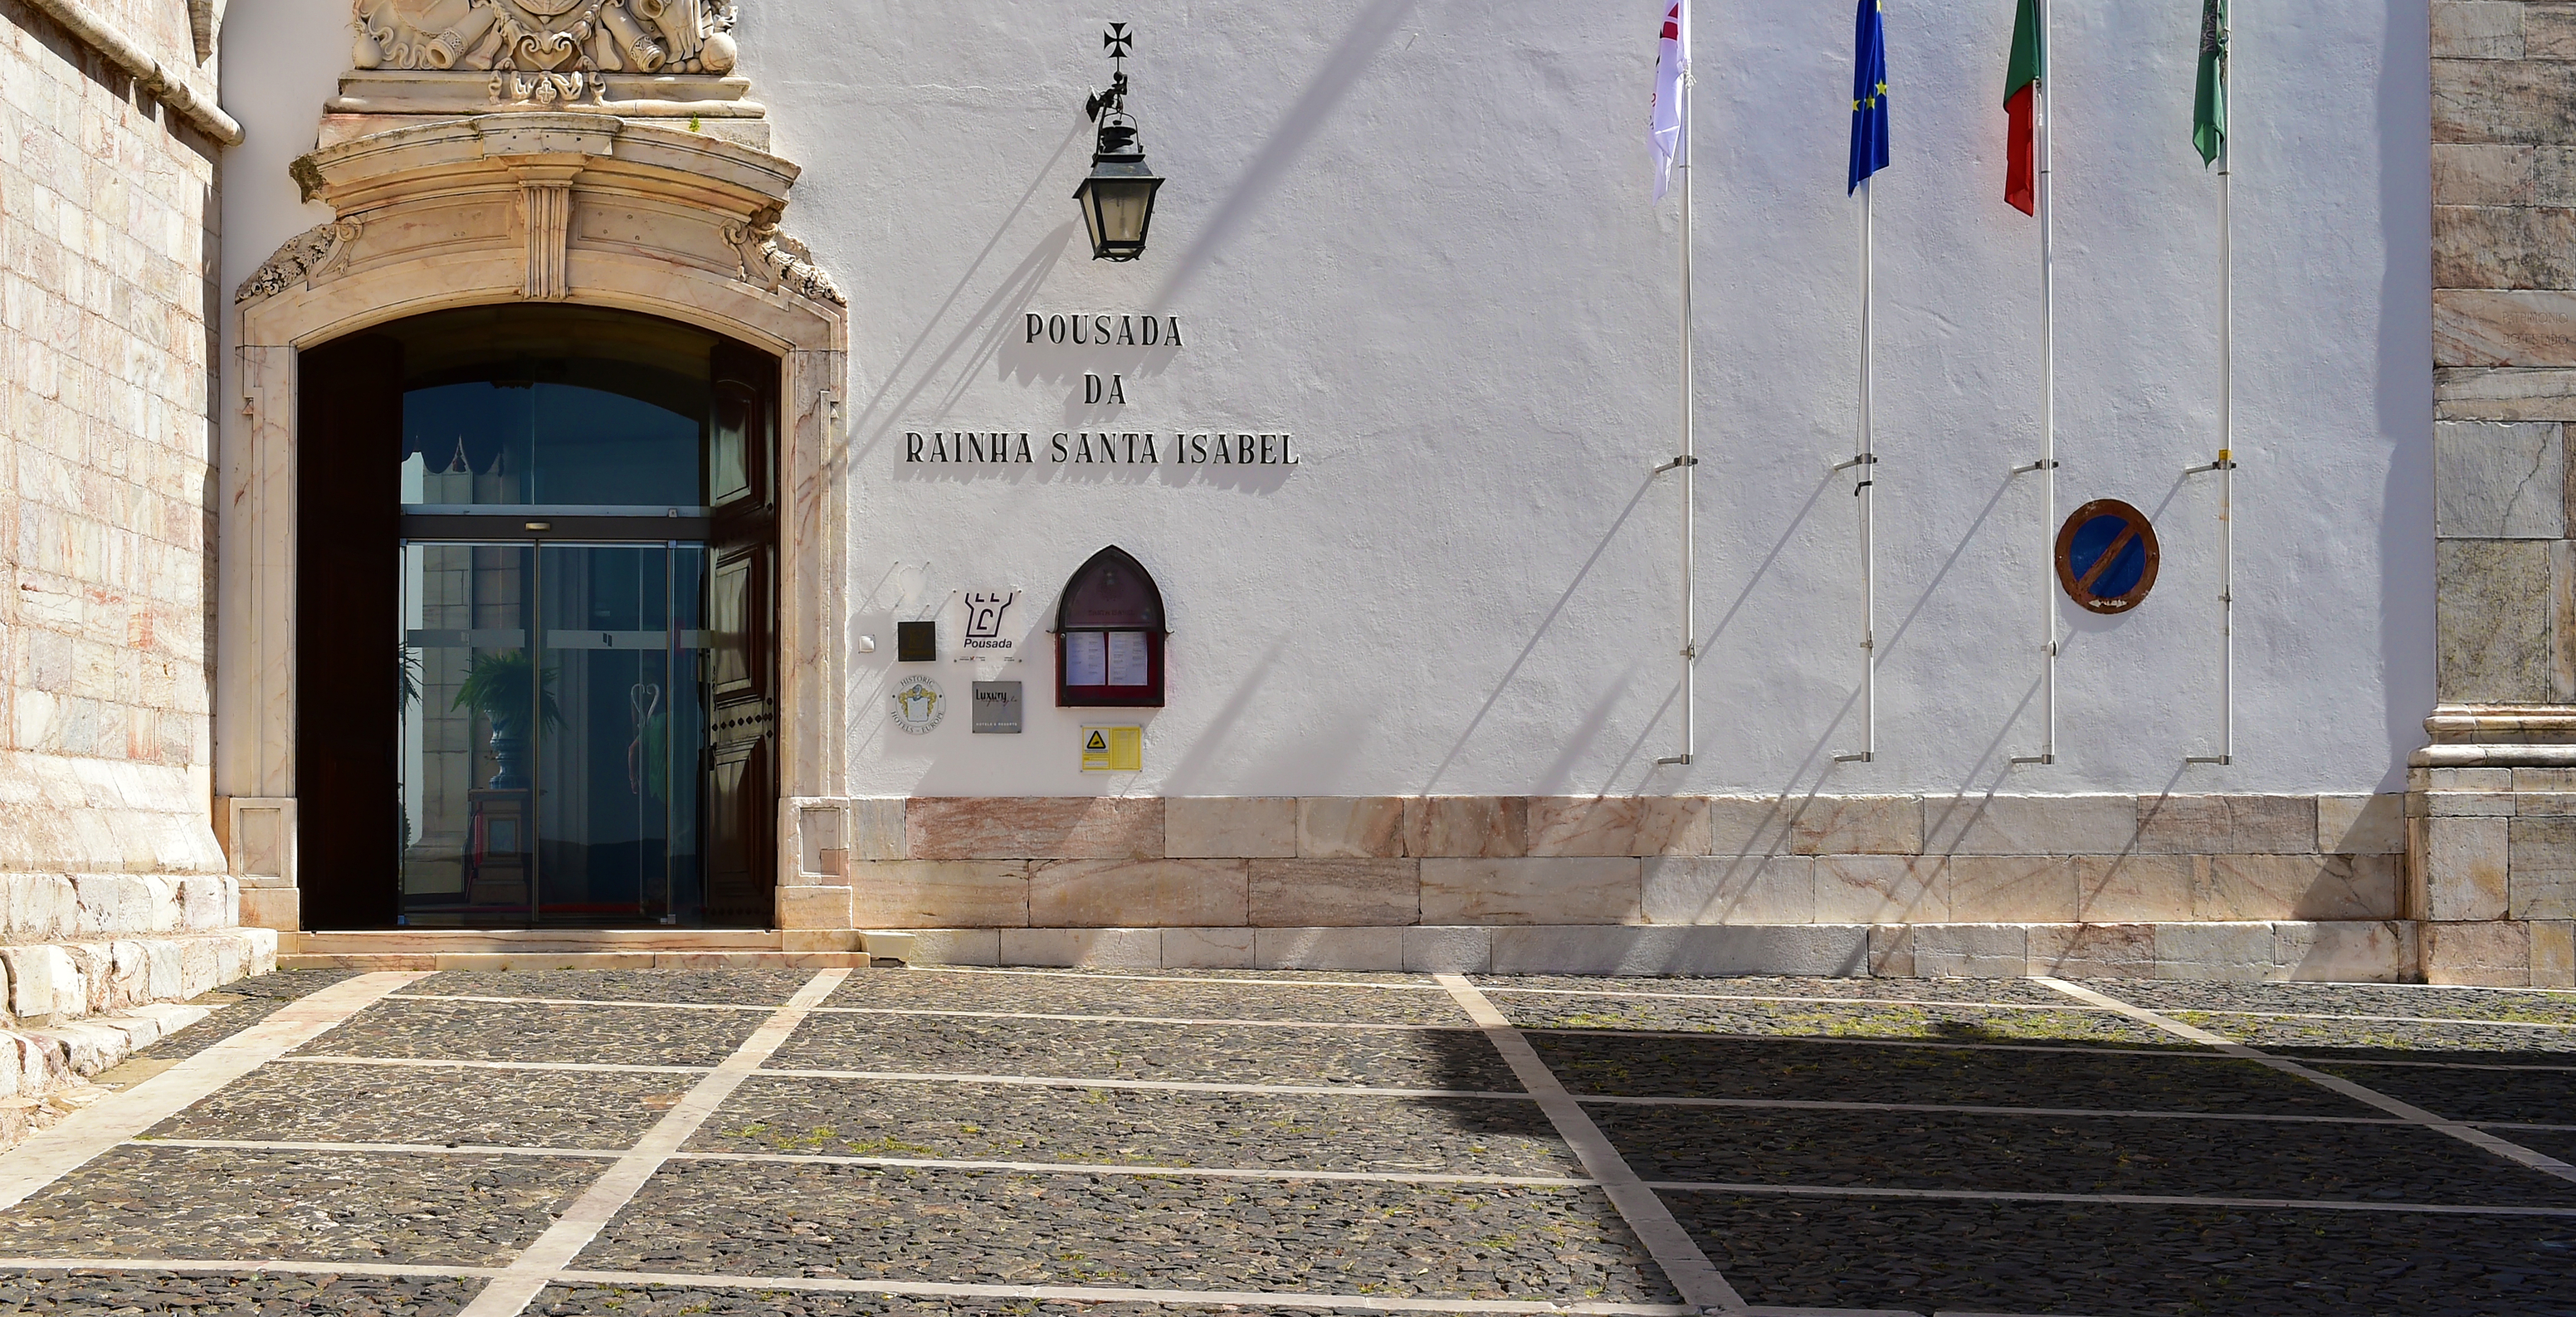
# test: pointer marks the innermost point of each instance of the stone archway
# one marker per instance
(581, 207)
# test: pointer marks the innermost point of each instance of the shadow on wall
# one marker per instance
(1368, 35)
(988, 321)
(2405, 113)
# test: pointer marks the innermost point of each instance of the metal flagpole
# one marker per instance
(2047, 465)
(1688, 462)
(1865, 457)
(2225, 466)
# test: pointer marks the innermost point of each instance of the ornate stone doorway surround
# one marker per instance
(584, 208)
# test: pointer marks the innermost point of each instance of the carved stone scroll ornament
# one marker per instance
(321, 250)
(771, 259)
(562, 39)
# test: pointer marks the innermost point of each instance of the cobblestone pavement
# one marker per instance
(965, 1143)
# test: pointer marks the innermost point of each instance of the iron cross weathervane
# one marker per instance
(1119, 43)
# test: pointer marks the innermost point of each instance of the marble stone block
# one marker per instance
(2009, 889)
(1033, 827)
(2501, 481)
(2478, 174)
(2503, 246)
(2134, 889)
(271, 907)
(2477, 29)
(1138, 893)
(877, 828)
(2553, 954)
(43, 983)
(2470, 393)
(956, 946)
(2465, 868)
(1356, 950)
(1448, 950)
(2471, 804)
(2361, 825)
(1749, 825)
(940, 893)
(813, 907)
(2094, 951)
(1822, 950)
(1879, 889)
(2549, 32)
(2227, 825)
(2503, 327)
(1350, 827)
(2217, 952)
(1727, 889)
(2541, 868)
(1970, 951)
(2490, 953)
(2298, 887)
(2030, 825)
(1486, 827)
(1566, 890)
(1618, 825)
(1857, 825)
(2478, 100)
(1218, 827)
(2346, 951)
(2494, 640)
(1082, 948)
(822, 849)
(1335, 893)
(1891, 951)
(1207, 948)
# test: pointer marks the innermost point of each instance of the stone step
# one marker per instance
(542, 958)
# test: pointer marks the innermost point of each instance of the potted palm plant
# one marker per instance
(503, 685)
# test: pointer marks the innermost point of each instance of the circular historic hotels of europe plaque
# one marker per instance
(2106, 556)
(919, 704)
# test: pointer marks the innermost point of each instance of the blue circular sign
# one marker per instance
(2106, 556)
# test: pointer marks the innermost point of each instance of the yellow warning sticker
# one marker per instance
(1113, 749)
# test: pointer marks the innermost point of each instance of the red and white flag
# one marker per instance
(1672, 70)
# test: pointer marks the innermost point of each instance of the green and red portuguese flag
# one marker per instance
(2022, 76)
(2209, 102)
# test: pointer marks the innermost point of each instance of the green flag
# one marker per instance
(2209, 106)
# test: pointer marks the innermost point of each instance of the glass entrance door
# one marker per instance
(553, 727)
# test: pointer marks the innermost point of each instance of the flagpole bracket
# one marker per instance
(1682, 461)
(2043, 464)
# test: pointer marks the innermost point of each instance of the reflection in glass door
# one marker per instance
(553, 725)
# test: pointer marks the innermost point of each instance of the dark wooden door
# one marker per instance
(742, 656)
(348, 497)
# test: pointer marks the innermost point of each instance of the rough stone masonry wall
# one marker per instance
(2179, 886)
(113, 891)
(2493, 835)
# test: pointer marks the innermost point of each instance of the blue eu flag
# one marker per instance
(1869, 96)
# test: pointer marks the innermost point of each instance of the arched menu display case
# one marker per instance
(1109, 633)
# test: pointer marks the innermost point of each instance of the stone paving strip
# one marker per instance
(2362, 1039)
(607, 1196)
(1681, 1260)
(1703, 1066)
(240, 1005)
(1392, 1000)
(429, 1104)
(1507, 988)
(1339, 1131)
(52, 1153)
(2508, 1150)
(1155, 1231)
(2052, 1257)
(1455, 1058)
(1952, 1022)
(451, 1031)
(2476, 1096)
(2068, 1154)
(146, 1202)
(2418, 1001)
(265, 1290)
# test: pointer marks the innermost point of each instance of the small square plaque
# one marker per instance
(916, 642)
(997, 706)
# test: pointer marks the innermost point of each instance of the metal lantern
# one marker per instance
(1117, 198)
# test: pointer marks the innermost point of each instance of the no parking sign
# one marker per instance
(2106, 556)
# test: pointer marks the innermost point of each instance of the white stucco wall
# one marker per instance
(1417, 235)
